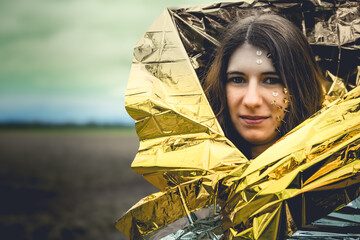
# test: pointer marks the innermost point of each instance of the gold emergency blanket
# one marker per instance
(310, 172)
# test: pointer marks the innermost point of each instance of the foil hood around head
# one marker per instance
(174, 121)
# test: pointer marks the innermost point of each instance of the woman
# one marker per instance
(263, 82)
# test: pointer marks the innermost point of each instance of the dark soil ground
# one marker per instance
(67, 184)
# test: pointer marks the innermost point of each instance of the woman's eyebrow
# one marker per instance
(235, 72)
(270, 73)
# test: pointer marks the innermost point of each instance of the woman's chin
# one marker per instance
(261, 140)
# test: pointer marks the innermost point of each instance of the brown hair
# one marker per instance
(292, 57)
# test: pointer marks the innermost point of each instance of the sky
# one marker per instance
(68, 61)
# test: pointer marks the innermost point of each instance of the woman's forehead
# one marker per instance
(250, 59)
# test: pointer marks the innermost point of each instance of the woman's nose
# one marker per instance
(252, 98)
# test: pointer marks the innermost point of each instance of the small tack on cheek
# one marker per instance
(275, 93)
(285, 91)
(273, 103)
(258, 53)
(259, 61)
(286, 100)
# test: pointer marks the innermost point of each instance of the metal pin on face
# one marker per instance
(259, 61)
(275, 93)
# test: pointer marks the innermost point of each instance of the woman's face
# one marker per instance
(256, 96)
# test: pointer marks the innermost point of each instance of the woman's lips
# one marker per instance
(253, 120)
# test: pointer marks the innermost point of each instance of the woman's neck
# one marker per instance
(256, 150)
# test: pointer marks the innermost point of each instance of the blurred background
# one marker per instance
(66, 141)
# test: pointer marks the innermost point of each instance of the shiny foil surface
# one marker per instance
(309, 173)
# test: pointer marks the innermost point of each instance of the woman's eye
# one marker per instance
(272, 80)
(237, 80)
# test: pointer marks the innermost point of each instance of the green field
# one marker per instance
(67, 183)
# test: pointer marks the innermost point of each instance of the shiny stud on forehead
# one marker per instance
(259, 53)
